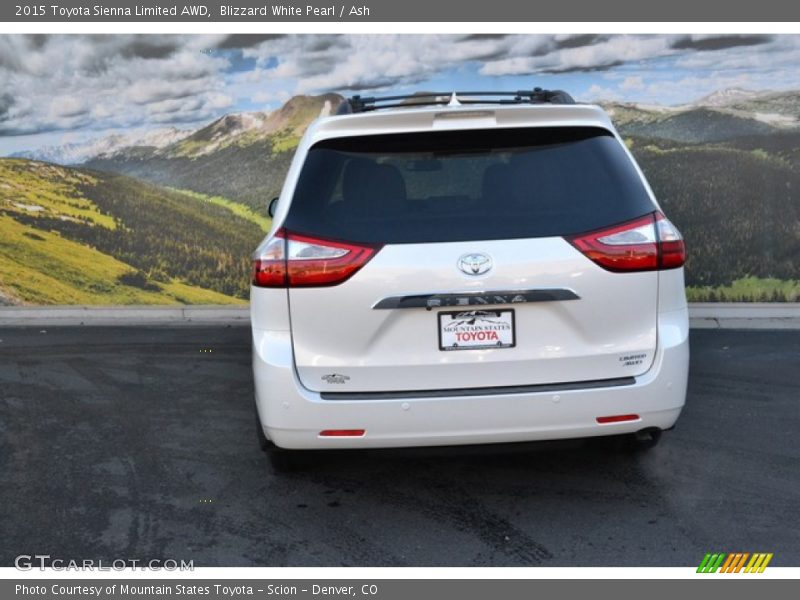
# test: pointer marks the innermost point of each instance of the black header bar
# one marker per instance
(473, 11)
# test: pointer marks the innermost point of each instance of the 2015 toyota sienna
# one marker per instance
(470, 269)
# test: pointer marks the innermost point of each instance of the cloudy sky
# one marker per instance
(68, 88)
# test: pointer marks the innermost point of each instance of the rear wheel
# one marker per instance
(281, 460)
(263, 442)
(287, 461)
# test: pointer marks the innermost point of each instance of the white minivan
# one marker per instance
(472, 268)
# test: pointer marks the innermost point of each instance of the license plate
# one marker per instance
(476, 329)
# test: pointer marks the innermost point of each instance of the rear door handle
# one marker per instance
(487, 298)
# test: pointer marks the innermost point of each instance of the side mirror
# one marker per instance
(272, 207)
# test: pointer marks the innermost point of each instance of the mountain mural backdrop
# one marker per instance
(172, 215)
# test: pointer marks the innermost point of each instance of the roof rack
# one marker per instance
(360, 104)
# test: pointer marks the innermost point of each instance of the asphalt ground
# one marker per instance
(137, 443)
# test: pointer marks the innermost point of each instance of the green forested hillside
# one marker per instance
(784, 145)
(241, 157)
(79, 236)
(729, 178)
(694, 126)
(738, 209)
(736, 202)
(251, 174)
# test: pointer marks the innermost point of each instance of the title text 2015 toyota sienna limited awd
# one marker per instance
(469, 269)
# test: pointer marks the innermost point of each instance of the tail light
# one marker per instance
(292, 260)
(645, 244)
(671, 249)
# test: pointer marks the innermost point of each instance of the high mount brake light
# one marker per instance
(292, 260)
(648, 243)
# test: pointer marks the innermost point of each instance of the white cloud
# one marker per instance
(635, 82)
(597, 93)
(268, 97)
(63, 82)
(68, 106)
(604, 53)
(217, 101)
(363, 62)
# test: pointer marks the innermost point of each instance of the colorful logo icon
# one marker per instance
(734, 562)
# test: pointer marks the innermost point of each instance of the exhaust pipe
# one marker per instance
(647, 438)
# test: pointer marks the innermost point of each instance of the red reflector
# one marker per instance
(617, 418)
(342, 433)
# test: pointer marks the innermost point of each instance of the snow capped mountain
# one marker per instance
(80, 152)
(220, 133)
(159, 138)
(720, 115)
(242, 129)
(727, 97)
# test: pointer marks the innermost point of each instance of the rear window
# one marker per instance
(466, 185)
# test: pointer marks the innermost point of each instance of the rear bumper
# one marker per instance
(293, 416)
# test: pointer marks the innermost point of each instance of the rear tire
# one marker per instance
(263, 442)
(281, 460)
(287, 461)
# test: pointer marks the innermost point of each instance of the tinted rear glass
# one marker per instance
(466, 185)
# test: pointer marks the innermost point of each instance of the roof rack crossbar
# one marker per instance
(369, 108)
(357, 103)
